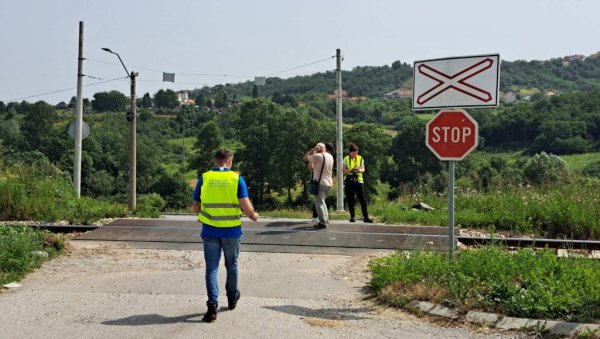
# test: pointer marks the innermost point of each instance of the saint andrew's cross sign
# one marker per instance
(450, 84)
(456, 82)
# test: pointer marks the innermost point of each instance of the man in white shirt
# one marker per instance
(322, 164)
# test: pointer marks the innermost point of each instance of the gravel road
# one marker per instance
(114, 291)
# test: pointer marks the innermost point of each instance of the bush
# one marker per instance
(149, 205)
(45, 194)
(546, 168)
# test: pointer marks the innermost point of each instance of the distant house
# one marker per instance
(333, 96)
(182, 96)
(509, 97)
(574, 57)
(399, 94)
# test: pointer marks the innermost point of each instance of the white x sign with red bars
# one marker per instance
(470, 81)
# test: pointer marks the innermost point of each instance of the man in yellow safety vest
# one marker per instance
(218, 197)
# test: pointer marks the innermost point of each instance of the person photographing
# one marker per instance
(322, 165)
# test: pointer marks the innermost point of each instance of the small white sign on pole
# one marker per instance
(260, 81)
(470, 81)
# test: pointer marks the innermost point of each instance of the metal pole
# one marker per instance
(78, 117)
(339, 148)
(451, 239)
(132, 146)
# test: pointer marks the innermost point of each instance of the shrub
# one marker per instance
(149, 205)
(546, 168)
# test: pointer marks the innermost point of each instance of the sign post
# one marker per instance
(451, 135)
(471, 81)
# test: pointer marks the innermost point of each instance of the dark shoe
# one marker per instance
(367, 220)
(352, 219)
(232, 302)
(211, 314)
(320, 226)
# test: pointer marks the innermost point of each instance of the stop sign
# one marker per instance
(452, 134)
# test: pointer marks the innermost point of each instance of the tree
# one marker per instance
(255, 91)
(221, 99)
(37, 125)
(61, 105)
(146, 101)
(166, 99)
(256, 134)
(174, 189)
(374, 145)
(294, 132)
(411, 156)
(2, 107)
(208, 141)
(113, 101)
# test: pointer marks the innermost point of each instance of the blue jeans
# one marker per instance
(212, 256)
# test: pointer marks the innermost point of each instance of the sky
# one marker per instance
(209, 42)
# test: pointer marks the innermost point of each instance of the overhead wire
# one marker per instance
(301, 66)
(64, 90)
(159, 71)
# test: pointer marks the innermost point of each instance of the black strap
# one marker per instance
(320, 175)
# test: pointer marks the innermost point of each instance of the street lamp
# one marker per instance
(131, 117)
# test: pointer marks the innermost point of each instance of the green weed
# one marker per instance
(528, 283)
(20, 249)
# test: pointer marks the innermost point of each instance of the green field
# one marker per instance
(577, 162)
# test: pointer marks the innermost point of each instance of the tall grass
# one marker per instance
(40, 194)
(20, 248)
(570, 210)
(527, 283)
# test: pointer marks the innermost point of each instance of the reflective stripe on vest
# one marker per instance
(219, 203)
(354, 164)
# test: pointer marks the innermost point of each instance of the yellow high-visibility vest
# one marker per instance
(219, 203)
(350, 164)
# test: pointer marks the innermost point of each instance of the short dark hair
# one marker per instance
(329, 147)
(352, 148)
(222, 155)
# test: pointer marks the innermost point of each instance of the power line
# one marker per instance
(158, 71)
(214, 74)
(293, 68)
(64, 90)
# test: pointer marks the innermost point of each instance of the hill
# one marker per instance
(569, 73)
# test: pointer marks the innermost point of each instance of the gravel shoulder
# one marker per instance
(112, 290)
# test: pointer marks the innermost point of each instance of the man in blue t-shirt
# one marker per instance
(218, 197)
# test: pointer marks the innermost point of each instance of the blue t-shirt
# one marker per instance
(209, 231)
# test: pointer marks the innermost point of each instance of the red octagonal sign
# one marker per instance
(452, 134)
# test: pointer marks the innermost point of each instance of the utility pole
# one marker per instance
(131, 117)
(78, 117)
(339, 148)
(132, 147)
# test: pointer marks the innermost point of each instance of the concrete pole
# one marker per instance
(132, 147)
(340, 146)
(78, 117)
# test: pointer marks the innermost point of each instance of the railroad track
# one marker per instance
(467, 241)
